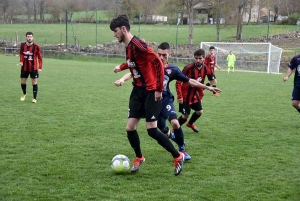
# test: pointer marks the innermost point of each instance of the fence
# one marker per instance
(119, 58)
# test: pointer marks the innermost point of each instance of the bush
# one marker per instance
(293, 18)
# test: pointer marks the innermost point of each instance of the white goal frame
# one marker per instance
(253, 57)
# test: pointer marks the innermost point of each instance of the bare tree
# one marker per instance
(28, 6)
(241, 7)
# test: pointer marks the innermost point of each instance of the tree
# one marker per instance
(241, 7)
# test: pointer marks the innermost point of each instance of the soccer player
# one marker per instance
(168, 108)
(231, 61)
(294, 64)
(210, 62)
(147, 72)
(31, 63)
(190, 97)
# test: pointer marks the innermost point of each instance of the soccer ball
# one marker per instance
(120, 163)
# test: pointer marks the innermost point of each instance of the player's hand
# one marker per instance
(39, 70)
(119, 82)
(21, 63)
(180, 100)
(285, 78)
(158, 96)
(213, 89)
(117, 69)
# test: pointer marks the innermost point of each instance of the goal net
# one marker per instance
(255, 57)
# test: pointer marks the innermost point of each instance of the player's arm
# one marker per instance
(121, 81)
(121, 67)
(21, 56)
(197, 84)
(39, 57)
(288, 74)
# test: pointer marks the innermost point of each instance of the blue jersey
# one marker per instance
(172, 73)
(295, 64)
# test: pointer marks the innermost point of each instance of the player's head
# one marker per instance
(119, 25)
(29, 37)
(199, 57)
(164, 52)
(212, 50)
(230, 52)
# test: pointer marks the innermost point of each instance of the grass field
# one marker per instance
(86, 33)
(60, 148)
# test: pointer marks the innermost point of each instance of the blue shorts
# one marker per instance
(296, 93)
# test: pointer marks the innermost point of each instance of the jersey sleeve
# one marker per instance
(39, 56)
(179, 76)
(292, 63)
(21, 53)
(123, 66)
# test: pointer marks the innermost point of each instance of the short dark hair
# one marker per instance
(199, 52)
(121, 20)
(164, 46)
(29, 33)
(212, 48)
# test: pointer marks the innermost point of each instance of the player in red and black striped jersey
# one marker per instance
(211, 63)
(190, 97)
(147, 71)
(31, 63)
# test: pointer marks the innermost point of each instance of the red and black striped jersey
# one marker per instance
(31, 57)
(146, 68)
(188, 92)
(210, 62)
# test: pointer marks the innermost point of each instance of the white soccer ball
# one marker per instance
(120, 163)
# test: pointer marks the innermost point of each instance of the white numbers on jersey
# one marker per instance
(168, 107)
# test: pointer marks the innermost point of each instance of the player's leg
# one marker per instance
(185, 112)
(228, 69)
(152, 111)
(197, 107)
(24, 75)
(34, 77)
(136, 112)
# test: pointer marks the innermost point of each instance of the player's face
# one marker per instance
(212, 51)
(119, 34)
(198, 60)
(163, 55)
(29, 38)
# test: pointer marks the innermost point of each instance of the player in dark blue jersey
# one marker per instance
(294, 64)
(168, 111)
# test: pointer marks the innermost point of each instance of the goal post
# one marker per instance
(254, 57)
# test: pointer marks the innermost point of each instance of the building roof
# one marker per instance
(202, 5)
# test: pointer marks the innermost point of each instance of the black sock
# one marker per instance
(163, 141)
(134, 141)
(215, 87)
(23, 86)
(181, 120)
(194, 118)
(208, 84)
(35, 90)
(298, 110)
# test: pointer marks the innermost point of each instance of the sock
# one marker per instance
(181, 120)
(228, 69)
(194, 118)
(35, 90)
(215, 87)
(179, 138)
(298, 110)
(134, 141)
(163, 141)
(23, 86)
(208, 84)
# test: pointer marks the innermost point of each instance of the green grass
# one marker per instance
(60, 148)
(86, 33)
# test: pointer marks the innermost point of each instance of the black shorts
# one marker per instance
(142, 104)
(33, 75)
(186, 108)
(296, 93)
(211, 77)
